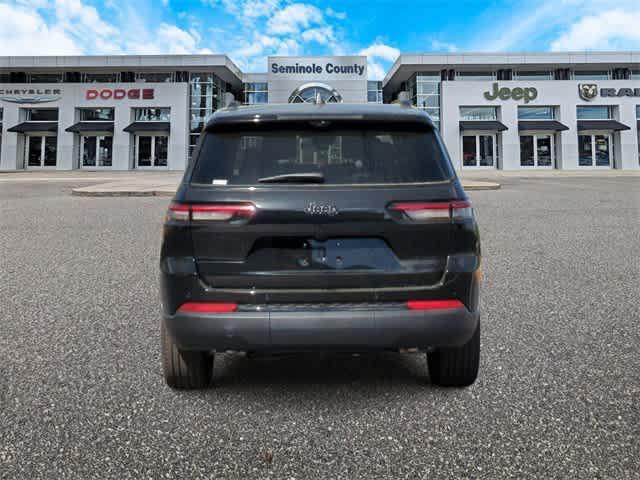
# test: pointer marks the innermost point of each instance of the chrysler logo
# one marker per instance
(588, 91)
(30, 95)
(321, 209)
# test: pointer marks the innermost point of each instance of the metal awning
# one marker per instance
(26, 127)
(488, 125)
(542, 125)
(91, 127)
(612, 125)
(148, 127)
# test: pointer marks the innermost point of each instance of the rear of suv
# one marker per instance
(310, 227)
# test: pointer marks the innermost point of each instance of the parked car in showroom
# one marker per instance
(320, 227)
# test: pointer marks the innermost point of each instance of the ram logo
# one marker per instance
(588, 91)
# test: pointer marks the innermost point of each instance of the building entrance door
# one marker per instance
(537, 150)
(96, 151)
(152, 150)
(479, 150)
(41, 151)
(595, 150)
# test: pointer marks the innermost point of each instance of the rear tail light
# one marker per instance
(222, 212)
(207, 307)
(433, 211)
(434, 304)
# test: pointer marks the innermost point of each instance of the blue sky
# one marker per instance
(249, 31)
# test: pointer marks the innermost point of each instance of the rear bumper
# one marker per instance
(322, 330)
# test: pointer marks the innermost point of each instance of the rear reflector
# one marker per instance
(432, 211)
(434, 304)
(207, 307)
(222, 212)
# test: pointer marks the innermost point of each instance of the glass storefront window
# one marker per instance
(635, 75)
(594, 112)
(374, 91)
(527, 154)
(592, 75)
(469, 150)
(256, 93)
(479, 150)
(478, 113)
(46, 77)
(206, 92)
(152, 114)
(536, 113)
(42, 115)
(96, 150)
(534, 75)
(102, 77)
(475, 75)
(97, 114)
(424, 89)
(151, 150)
(34, 151)
(536, 150)
(594, 150)
(41, 150)
(155, 77)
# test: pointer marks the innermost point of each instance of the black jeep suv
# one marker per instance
(320, 227)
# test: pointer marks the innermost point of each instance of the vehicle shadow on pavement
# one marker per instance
(323, 368)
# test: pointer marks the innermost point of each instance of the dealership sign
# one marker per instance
(517, 93)
(589, 91)
(318, 69)
(30, 95)
(120, 94)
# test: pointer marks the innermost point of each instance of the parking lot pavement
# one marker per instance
(82, 394)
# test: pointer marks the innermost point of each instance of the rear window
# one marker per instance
(342, 155)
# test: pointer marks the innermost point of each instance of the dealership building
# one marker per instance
(494, 111)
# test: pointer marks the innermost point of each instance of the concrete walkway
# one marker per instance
(146, 183)
(166, 187)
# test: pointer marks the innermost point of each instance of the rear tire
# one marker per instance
(184, 369)
(456, 366)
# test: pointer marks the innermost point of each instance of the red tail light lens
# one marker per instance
(207, 307)
(223, 212)
(434, 304)
(433, 211)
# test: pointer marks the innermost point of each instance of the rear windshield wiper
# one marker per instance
(294, 178)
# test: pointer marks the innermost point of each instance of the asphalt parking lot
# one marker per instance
(82, 395)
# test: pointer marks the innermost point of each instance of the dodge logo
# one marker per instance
(320, 209)
(588, 91)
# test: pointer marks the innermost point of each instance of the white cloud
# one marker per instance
(293, 18)
(321, 35)
(439, 46)
(613, 29)
(379, 57)
(332, 13)
(25, 32)
(71, 27)
(380, 50)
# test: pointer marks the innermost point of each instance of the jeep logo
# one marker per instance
(320, 209)
(516, 93)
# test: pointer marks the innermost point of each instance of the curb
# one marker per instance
(488, 186)
(76, 192)
(94, 192)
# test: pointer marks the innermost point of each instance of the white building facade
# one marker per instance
(563, 111)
